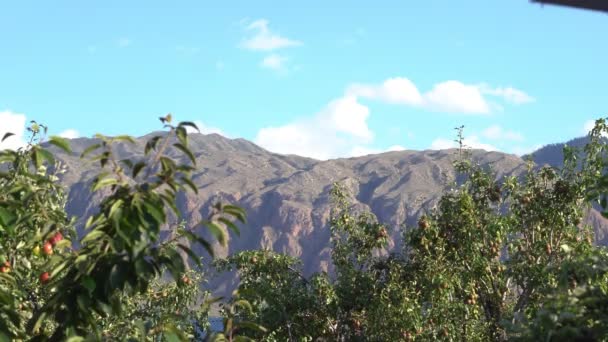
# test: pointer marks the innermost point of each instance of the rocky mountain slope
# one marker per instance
(287, 197)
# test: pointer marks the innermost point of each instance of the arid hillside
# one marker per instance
(287, 197)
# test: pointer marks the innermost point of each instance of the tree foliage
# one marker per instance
(495, 260)
(66, 293)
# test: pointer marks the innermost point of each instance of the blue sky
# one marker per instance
(317, 78)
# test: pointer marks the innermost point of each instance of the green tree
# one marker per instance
(80, 292)
(496, 259)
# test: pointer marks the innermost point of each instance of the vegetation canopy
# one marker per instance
(494, 260)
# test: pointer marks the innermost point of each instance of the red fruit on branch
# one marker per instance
(45, 277)
(47, 248)
(56, 238)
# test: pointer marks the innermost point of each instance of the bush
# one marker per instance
(52, 291)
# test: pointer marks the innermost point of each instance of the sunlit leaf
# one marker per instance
(60, 142)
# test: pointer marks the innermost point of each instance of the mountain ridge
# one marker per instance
(287, 196)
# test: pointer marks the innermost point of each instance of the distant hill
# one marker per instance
(287, 197)
(552, 154)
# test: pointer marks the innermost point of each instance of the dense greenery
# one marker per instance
(495, 260)
(108, 286)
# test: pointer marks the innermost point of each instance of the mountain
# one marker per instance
(552, 154)
(287, 197)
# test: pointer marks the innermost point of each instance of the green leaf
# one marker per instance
(243, 338)
(171, 336)
(38, 320)
(137, 168)
(189, 183)
(217, 231)
(7, 217)
(186, 151)
(88, 283)
(89, 150)
(116, 207)
(237, 212)
(59, 268)
(126, 138)
(75, 338)
(155, 212)
(8, 156)
(84, 302)
(189, 124)
(190, 253)
(117, 277)
(7, 135)
(230, 225)
(177, 263)
(60, 142)
(89, 222)
(127, 162)
(94, 235)
(36, 157)
(103, 183)
(47, 155)
(252, 326)
(151, 144)
(182, 135)
(167, 163)
(193, 237)
(3, 336)
(139, 324)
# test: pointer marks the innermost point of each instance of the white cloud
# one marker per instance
(69, 134)
(523, 150)
(588, 126)
(12, 123)
(275, 62)
(395, 148)
(204, 129)
(348, 116)
(124, 42)
(342, 124)
(455, 96)
(495, 132)
(469, 142)
(442, 144)
(509, 94)
(330, 133)
(397, 90)
(264, 39)
(449, 96)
